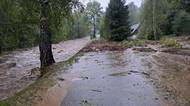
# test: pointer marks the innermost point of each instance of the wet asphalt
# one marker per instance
(110, 79)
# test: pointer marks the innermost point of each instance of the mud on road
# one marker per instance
(168, 72)
(107, 74)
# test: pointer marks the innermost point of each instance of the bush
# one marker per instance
(181, 23)
(132, 43)
(169, 42)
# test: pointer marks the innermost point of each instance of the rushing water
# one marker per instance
(16, 66)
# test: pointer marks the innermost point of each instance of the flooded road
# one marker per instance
(131, 77)
(18, 69)
(137, 76)
(110, 79)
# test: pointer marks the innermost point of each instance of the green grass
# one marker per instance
(3, 103)
(132, 43)
(169, 42)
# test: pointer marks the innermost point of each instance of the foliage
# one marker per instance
(80, 27)
(181, 23)
(169, 42)
(177, 16)
(117, 20)
(185, 5)
(134, 14)
(153, 19)
(94, 13)
(103, 30)
(165, 17)
(3, 103)
(19, 26)
(20, 21)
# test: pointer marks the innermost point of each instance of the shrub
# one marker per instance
(181, 23)
(133, 43)
(169, 42)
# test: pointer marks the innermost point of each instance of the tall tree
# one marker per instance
(94, 12)
(117, 20)
(46, 55)
(178, 17)
(154, 19)
(62, 8)
(185, 4)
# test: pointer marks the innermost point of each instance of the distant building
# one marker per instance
(135, 28)
(134, 31)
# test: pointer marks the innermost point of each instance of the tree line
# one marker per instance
(157, 18)
(164, 17)
(20, 21)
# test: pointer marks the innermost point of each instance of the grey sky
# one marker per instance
(104, 3)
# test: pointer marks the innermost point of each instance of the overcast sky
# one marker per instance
(104, 3)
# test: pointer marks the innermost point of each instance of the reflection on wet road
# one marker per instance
(110, 79)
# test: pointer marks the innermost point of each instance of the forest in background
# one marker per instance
(164, 17)
(19, 21)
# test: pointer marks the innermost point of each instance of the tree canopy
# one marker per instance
(94, 13)
(164, 17)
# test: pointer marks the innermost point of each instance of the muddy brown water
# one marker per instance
(20, 68)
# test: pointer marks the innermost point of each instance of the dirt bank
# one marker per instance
(170, 74)
(102, 45)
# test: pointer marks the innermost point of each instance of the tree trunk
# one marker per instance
(154, 20)
(78, 29)
(45, 46)
(94, 26)
(0, 43)
(0, 48)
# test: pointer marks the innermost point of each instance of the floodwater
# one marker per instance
(110, 79)
(20, 68)
(133, 77)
